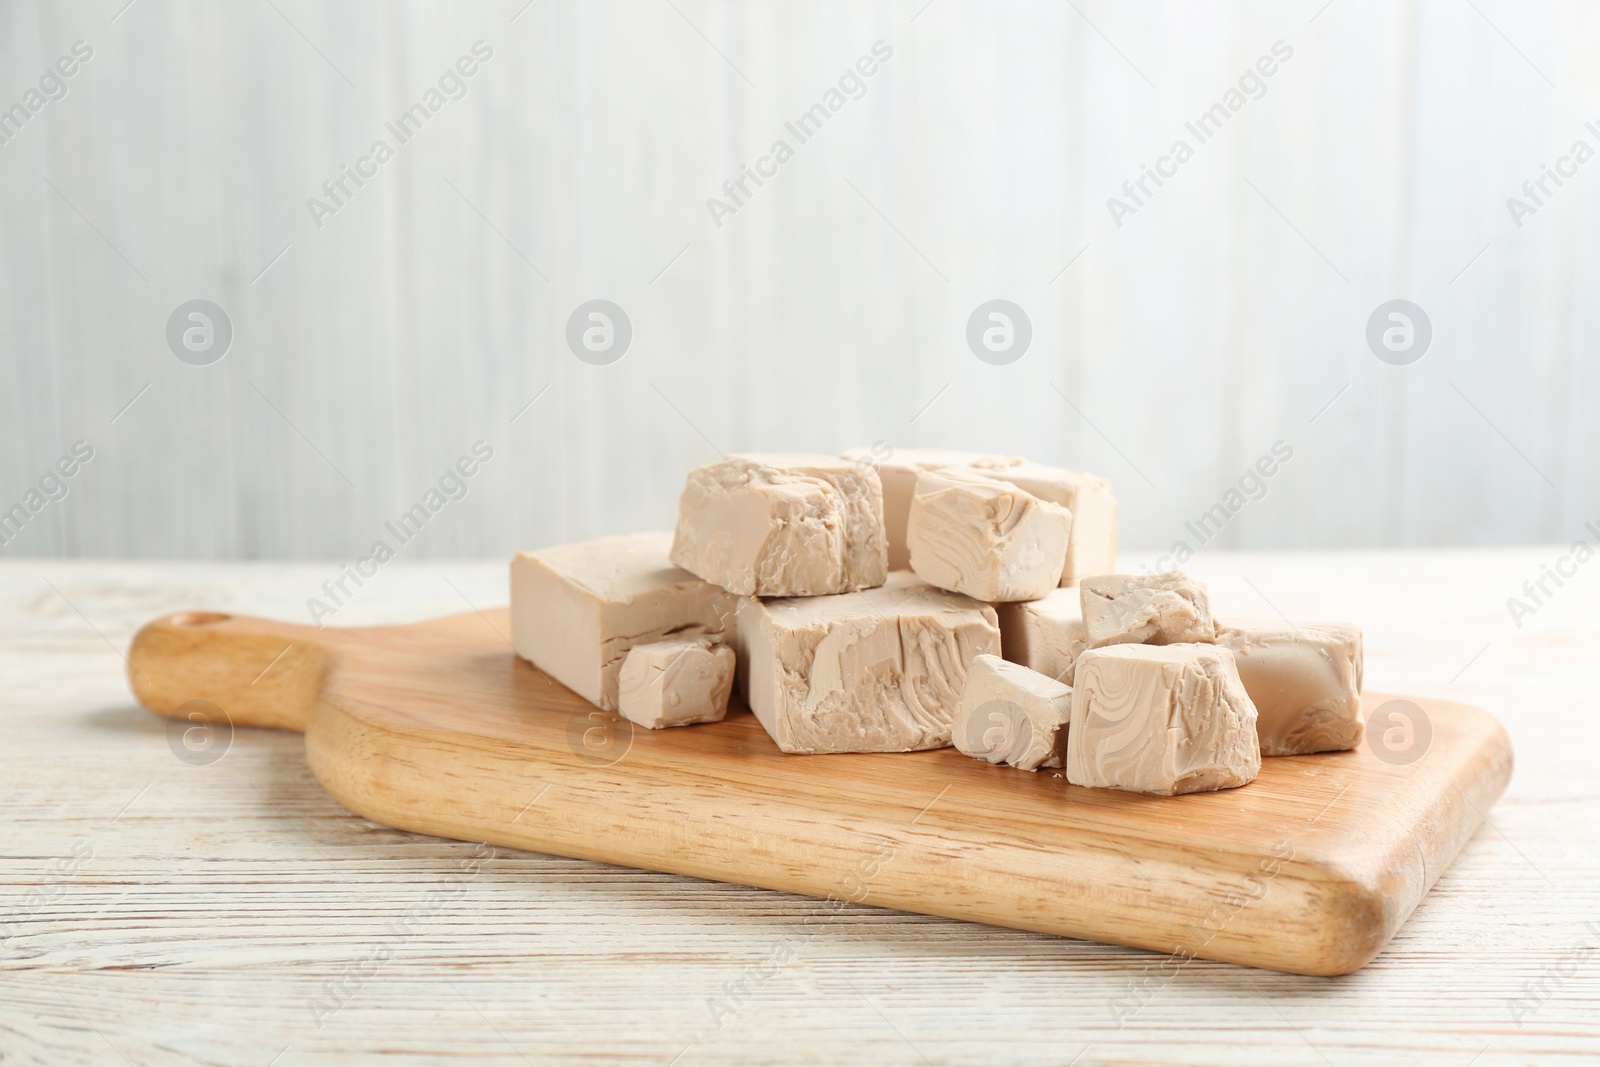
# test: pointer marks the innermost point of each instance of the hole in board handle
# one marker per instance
(199, 618)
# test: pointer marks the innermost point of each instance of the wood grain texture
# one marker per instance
(222, 901)
(431, 310)
(439, 727)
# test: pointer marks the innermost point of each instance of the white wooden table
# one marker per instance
(159, 911)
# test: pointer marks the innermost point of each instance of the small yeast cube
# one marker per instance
(972, 534)
(783, 525)
(1305, 681)
(1163, 719)
(1009, 714)
(677, 682)
(1156, 609)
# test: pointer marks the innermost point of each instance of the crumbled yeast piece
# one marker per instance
(973, 534)
(880, 670)
(1163, 719)
(1157, 609)
(1010, 714)
(1305, 681)
(577, 609)
(783, 525)
(676, 682)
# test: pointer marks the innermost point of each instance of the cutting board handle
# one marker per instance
(206, 666)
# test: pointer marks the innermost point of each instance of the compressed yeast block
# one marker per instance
(1155, 609)
(1092, 545)
(1163, 719)
(898, 469)
(577, 609)
(1009, 714)
(972, 534)
(875, 671)
(1045, 635)
(769, 524)
(1304, 679)
(676, 682)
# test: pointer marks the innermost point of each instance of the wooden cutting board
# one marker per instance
(440, 728)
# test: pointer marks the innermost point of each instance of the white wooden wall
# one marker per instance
(830, 310)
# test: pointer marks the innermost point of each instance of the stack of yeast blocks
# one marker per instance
(787, 576)
(926, 599)
(777, 574)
